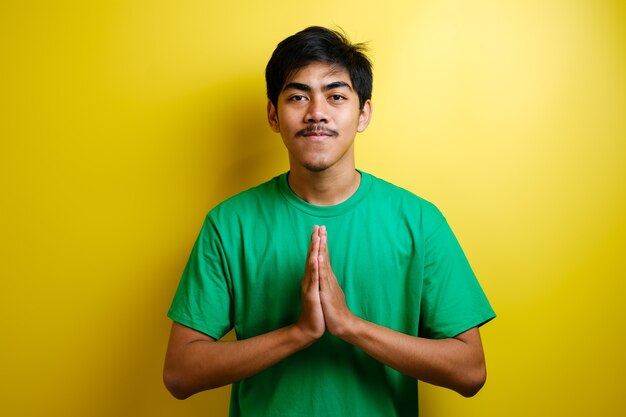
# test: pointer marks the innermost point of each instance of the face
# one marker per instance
(318, 116)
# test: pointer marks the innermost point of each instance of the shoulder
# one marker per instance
(248, 202)
(408, 204)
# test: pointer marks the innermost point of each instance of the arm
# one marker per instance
(195, 362)
(457, 363)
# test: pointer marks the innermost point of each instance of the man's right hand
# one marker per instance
(311, 320)
(196, 362)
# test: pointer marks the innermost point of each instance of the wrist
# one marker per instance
(303, 338)
(349, 327)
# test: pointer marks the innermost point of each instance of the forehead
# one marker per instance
(319, 72)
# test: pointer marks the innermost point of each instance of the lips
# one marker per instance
(309, 134)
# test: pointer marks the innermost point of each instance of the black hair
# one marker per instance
(318, 44)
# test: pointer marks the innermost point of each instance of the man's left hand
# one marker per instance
(336, 312)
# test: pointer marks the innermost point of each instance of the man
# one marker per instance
(342, 288)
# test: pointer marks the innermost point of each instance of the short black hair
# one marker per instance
(319, 44)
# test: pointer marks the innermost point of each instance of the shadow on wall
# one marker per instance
(249, 153)
(232, 148)
(244, 153)
(253, 153)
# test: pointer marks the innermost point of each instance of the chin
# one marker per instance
(316, 167)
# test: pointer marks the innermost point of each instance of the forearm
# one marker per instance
(195, 362)
(455, 363)
(197, 365)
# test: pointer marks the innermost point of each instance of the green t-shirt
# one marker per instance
(395, 257)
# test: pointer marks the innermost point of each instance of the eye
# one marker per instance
(297, 98)
(337, 97)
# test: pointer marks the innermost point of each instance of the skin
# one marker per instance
(322, 171)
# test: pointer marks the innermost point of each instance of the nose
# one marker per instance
(317, 111)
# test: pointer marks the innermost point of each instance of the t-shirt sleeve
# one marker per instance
(453, 300)
(203, 298)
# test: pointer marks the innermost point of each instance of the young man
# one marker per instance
(342, 288)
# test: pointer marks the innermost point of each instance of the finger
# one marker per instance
(312, 261)
(312, 244)
(314, 235)
(324, 235)
(315, 248)
(324, 256)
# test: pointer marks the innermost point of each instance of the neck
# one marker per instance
(325, 188)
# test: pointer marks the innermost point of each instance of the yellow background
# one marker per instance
(123, 122)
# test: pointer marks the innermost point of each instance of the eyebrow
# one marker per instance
(307, 88)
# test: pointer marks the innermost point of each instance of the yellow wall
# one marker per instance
(123, 122)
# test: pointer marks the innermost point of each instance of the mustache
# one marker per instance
(316, 128)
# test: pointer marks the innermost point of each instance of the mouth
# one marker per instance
(313, 135)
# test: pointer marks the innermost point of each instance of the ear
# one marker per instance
(365, 116)
(272, 117)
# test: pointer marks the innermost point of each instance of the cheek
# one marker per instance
(285, 119)
(350, 122)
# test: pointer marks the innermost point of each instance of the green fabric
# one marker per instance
(393, 254)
